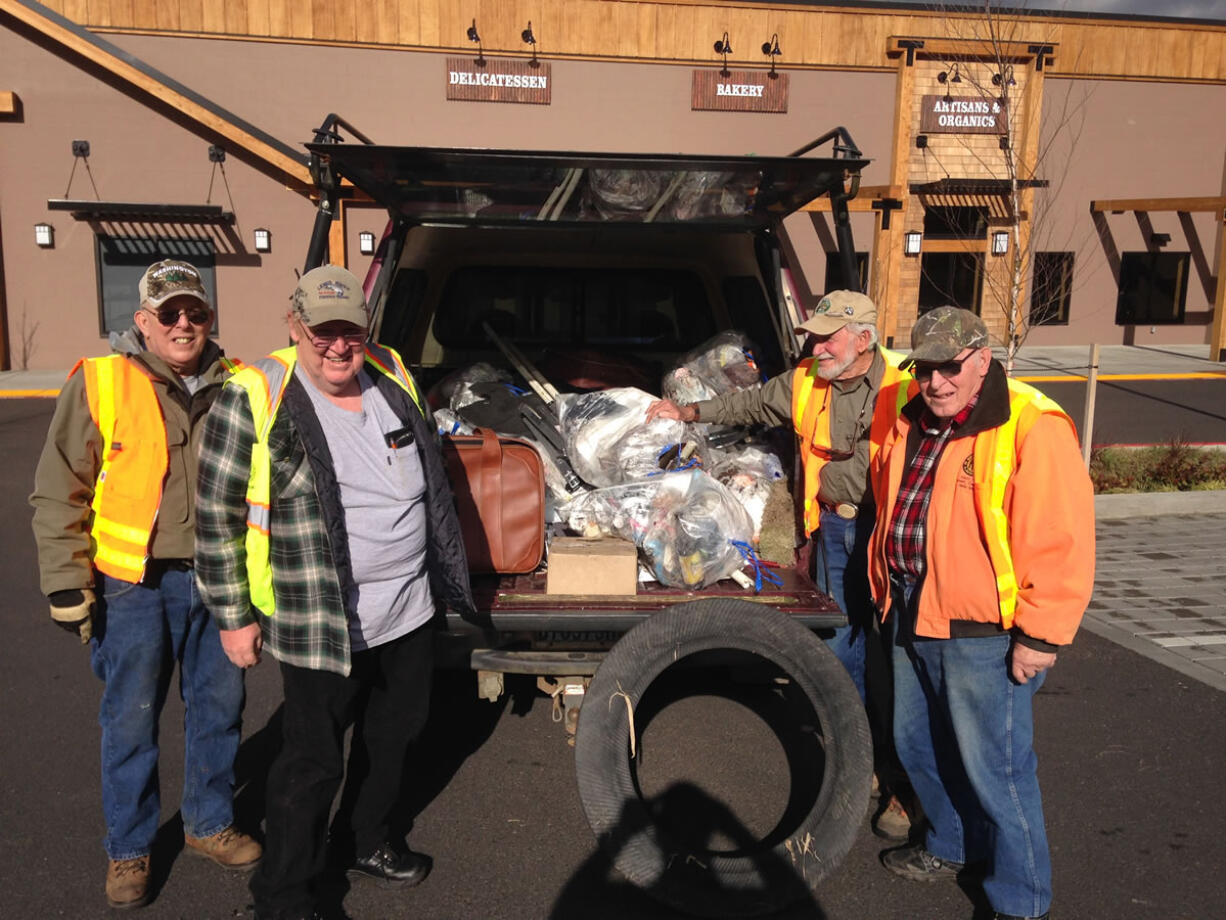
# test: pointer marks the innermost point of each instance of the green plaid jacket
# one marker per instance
(310, 628)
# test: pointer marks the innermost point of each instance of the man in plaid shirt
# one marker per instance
(983, 561)
(326, 533)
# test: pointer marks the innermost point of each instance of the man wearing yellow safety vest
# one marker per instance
(114, 522)
(840, 401)
(983, 562)
(327, 535)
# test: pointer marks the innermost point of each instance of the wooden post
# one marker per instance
(1087, 422)
(1217, 338)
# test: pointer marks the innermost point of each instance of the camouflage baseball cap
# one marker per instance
(170, 278)
(943, 333)
(329, 294)
(838, 308)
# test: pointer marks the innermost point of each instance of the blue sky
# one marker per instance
(1187, 9)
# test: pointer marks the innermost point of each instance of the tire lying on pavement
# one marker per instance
(830, 791)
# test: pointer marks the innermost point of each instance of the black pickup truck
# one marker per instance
(643, 256)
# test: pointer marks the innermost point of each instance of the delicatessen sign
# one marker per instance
(739, 91)
(490, 80)
(962, 115)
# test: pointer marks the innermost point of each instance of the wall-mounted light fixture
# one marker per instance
(951, 76)
(771, 50)
(475, 38)
(366, 243)
(530, 39)
(911, 242)
(1004, 79)
(263, 239)
(723, 46)
(921, 141)
(1000, 242)
(44, 236)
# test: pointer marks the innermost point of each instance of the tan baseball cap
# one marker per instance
(838, 308)
(944, 333)
(329, 294)
(170, 278)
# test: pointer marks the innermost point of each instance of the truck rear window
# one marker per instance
(641, 309)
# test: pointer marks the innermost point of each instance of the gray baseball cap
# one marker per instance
(328, 294)
(944, 333)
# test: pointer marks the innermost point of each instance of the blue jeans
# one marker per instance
(841, 570)
(140, 631)
(964, 731)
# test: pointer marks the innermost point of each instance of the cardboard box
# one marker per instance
(592, 567)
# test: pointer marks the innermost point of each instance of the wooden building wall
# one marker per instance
(669, 30)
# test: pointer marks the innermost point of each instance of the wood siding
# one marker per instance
(677, 31)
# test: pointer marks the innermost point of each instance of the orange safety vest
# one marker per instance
(992, 460)
(128, 489)
(811, 420)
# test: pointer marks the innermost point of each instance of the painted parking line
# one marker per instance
(1185, 641)
(1075, 378)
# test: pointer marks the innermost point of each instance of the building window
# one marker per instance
(1153, 288)
(123, 259)
(835, 280)
(953, 278)
(1052, 288)
(955, 222)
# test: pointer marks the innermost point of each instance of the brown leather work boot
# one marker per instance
(127, 882)
(230, 849)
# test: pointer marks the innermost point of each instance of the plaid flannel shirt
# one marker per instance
(905, 540)
(309, 628)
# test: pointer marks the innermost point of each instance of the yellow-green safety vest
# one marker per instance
(264, 382)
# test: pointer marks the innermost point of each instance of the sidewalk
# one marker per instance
(1072, 361)
(1137, 361)
(1160, 580)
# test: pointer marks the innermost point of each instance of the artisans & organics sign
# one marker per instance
(489, 80)
(962, 115)
(739, 91)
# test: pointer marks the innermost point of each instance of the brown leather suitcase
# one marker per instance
(499, 486)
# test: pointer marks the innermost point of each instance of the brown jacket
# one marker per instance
(68, 469)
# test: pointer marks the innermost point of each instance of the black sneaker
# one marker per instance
(918, 865)
(391, 869)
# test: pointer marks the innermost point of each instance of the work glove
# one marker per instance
(73, 610)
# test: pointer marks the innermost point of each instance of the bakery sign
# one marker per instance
(962, 115)
(490, 80)
(739, 91)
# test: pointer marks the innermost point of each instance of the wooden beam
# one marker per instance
(862, 202)
(885, 288)
(8, 102)
(1189, 205)
(930, 245)
(295, 172)
(1217, 341)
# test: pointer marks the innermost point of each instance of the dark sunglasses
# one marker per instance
(947, 369)
(168, 315)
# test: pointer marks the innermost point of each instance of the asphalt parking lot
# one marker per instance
(1130, 752)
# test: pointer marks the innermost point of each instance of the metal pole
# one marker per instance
(1087, 423)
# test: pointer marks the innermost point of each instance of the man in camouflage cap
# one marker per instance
(840, 401)
(991, 469)
(114, 519)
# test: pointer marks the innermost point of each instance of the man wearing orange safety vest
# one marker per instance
(114, 522)
(840, 401)
(983, 562)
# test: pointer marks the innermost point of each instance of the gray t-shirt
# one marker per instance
(383, 494)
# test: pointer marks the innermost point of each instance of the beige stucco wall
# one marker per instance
(141, 153)
(1112, 140)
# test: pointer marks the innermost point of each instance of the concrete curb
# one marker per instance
(1158, 504)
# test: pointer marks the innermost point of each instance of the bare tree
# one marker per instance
(1000, 63)
(26, 333)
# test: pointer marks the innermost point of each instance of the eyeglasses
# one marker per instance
(323, 342)
(947, 369)
(169, 316)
